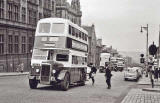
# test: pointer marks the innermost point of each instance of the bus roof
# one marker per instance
(61, 20)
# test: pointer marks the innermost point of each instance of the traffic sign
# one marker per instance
(142, 60)
(152, 49)
(142, 55)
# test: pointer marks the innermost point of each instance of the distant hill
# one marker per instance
(134, 55)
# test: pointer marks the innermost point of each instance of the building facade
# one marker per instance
(69, 11)
(98, 52)
(92, 40)
(18, 19)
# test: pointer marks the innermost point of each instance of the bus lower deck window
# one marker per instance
(62, 57)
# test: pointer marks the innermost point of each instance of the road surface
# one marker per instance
(15, 89)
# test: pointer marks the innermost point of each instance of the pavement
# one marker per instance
(146, 94)
(146, 81)
(13, 74)
(140, 96)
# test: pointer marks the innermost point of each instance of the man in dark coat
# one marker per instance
(108, 76)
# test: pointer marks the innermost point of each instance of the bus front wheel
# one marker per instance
(33, 83)
(65, 82)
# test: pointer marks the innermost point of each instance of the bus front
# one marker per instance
(49, 54)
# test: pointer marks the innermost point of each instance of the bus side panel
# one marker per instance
(77, 75)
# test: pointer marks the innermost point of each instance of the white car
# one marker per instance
(132, 73)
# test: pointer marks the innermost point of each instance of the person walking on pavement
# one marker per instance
(151, 74)
(92, 73)
(108, 76)
(156, 74)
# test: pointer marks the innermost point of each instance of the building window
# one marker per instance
(32, 17)
(10, 12)
(40, 16)
(53, 6)
(1, 43)
(47, 4)
(16, 46)
(23, 14)
(30, 42)
(10, 44)
(40, 3)
(1, 9)
(16, 13)
(23, 44)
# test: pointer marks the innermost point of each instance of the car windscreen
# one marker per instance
(44, 27)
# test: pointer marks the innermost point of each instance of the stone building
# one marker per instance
(18, 19)
(92, 44)
(98, 52)
(71, 12)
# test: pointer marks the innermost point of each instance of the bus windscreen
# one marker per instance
(57, 28)
(44, 27)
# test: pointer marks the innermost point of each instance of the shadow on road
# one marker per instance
(56, 88)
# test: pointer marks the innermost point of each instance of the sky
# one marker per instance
(118, 22)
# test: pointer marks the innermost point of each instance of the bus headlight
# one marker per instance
(37, 70)
(53, 71)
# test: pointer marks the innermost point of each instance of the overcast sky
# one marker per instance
(118, 22)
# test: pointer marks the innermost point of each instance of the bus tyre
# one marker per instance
(65, 82)
(33, 83)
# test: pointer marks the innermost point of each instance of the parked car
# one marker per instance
(132, 73)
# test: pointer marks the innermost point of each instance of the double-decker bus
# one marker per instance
(59, 54)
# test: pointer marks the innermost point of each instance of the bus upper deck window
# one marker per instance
(58, 28)
(44, 27)
(70, 29)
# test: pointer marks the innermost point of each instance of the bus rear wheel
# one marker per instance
(33, 83)
(65, 82)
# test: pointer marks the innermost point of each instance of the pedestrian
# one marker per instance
(21, 67)
(108, 76)
(92, 73)
(151, 74)
(156, 74)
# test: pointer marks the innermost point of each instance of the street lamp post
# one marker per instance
(146, 28)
